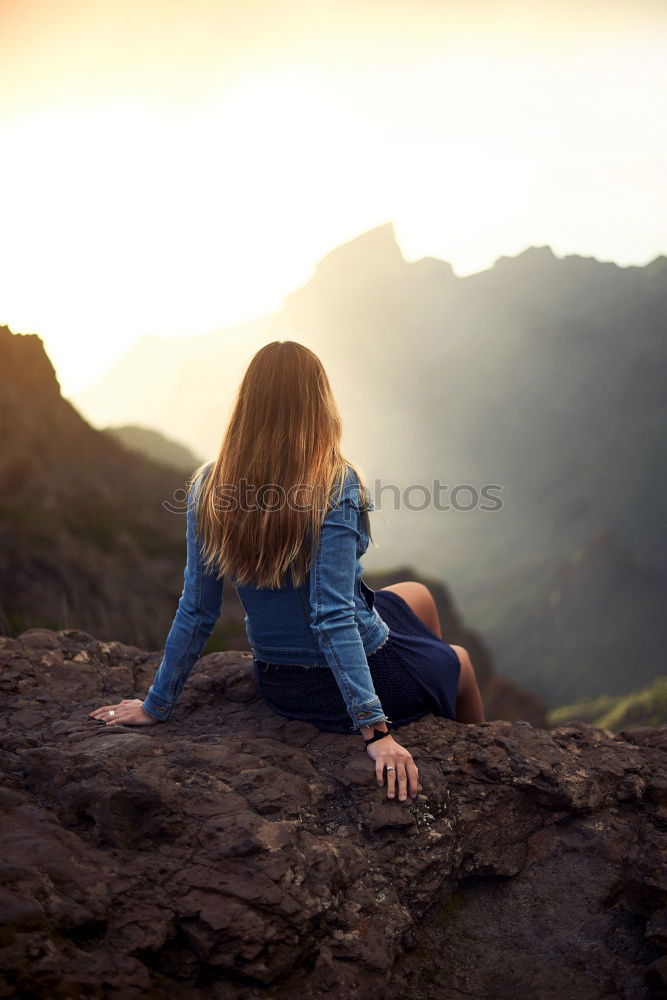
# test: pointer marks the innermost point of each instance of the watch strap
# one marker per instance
(378, 735)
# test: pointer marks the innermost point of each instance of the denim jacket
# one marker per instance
(327, 621)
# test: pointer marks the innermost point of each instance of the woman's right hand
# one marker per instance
(128, 712)
(402, 767)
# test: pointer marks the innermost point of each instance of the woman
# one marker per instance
(284, 516)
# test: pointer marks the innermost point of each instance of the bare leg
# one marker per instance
(420, 599)
(469, 705)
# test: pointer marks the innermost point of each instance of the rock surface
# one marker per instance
(230, 853)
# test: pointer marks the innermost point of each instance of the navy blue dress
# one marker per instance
(414, 673)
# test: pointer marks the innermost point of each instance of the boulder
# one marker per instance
(232, 853)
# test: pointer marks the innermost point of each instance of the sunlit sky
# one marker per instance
(176, 167)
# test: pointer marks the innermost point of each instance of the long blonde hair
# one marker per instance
(283, 437)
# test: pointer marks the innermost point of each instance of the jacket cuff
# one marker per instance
(157, 707)
(366, 717)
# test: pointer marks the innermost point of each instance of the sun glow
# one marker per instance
(197, 184)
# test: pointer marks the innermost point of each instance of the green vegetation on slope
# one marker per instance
(647, 707)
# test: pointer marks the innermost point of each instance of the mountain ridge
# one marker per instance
(88, 543)
(543, 375)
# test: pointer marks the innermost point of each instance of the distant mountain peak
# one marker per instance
(374, 250)
(658, 264)
(433, 267)
(542, 252)
(156, 446)
(25, 364)
(531, 255)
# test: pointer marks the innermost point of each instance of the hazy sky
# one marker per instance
(174, 167)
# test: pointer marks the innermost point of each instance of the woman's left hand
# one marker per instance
(128, 712)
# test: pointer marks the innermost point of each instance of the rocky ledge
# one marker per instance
(230, 853)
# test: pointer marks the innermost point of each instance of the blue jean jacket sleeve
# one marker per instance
(332, 577)
(198, 610)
